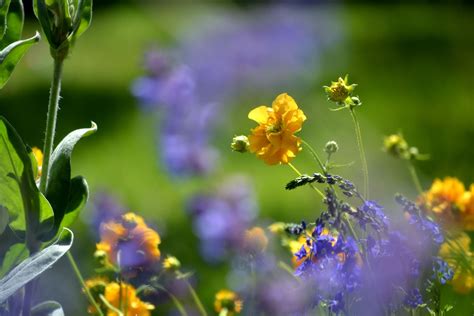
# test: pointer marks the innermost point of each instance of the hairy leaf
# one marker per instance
(35, 265)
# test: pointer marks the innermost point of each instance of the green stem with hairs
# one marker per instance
(363, 159)
(78, 274)
(53, 106)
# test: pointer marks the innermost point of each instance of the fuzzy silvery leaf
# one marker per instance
(35, 265)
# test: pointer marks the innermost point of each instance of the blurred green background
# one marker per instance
(414, 65)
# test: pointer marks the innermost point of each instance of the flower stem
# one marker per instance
(312, 185)
(363, 159)
(83, 283)
(414, 177)
(196, 298)
(53, 107)
(315, 155)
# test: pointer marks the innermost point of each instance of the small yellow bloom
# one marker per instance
(255, 240)
(458, 255)
(130, 237)
(273, 140)
(39, 159)
(340, 90)
(240, 144)
(171, 263)
(126, 293)
(227, 301)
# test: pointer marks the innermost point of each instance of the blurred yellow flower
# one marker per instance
(227, 302)
(130, 237)
(295, 246)
(443, 200)
(467, 209)
(171, 263)
(273, 140)
(39, 159)
(458, 255)
(255, 240)
(116, 293)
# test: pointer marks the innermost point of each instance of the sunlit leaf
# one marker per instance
(14, 256)
(4, 5)
(18, 191)
(65, 195)
(35, 265)
(48, 308)
(14, 23)
(11, 55)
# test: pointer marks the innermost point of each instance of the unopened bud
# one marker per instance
(331, 147)
(240, 144)
(339, 90)
(171, 263)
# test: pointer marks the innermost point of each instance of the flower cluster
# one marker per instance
(227, 303)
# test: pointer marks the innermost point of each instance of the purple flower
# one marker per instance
(221, 218)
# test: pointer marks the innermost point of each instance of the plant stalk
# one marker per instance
(363, 159)
(78, 274)
(415, 178)
(53, 106)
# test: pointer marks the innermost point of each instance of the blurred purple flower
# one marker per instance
(219, 60)
(104, 208)
(220, 219)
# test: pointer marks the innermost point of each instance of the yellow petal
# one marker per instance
(284, 103)
(259, 114)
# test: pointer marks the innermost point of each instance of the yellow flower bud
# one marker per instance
(340, 90)
(171, 263)
(240, 144)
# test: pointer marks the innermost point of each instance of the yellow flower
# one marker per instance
(295, 246)
(227, 301)
(443, 200)
(255, 240)
(96, 286)
(273, 140)
(458, 255)
(114, 294)
(396, 145)
(132, 239)
(39, 159)
(277, 228)
(171, 263)
(467, 209)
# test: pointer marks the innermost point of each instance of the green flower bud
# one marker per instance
(331, 147)
(63, 21)
(240, 144)
(339, 90)
(396, 145)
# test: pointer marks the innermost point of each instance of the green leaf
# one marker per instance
(14, 23)
(35, 265)
(4, 5)
(11, 55)
(48, 308)
(4, 219)
(18, 191)
(14, 255)
(65, 195)
(82, 19)
(78, 196)
(42, 14)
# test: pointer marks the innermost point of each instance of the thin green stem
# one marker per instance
(363, 159)
(196, 299)
(315, 155)
(300, 174)
(51, 119)
(414, 177)
(83, 283)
